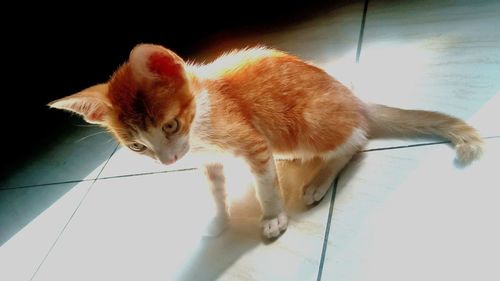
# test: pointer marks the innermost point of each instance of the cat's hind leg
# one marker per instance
(315, 190)
(333, 162)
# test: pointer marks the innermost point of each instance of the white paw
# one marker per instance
(216, 226)
(273, 227)
(313, 194)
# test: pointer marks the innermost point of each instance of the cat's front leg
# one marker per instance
(274, 219)
(216, 181)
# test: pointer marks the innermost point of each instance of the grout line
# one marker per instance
(405, 146)
(147, 173)
(327, 229)
(190, 169)
(334, 191)
(97, 178)
(361, 31)
(45, 184)
(417, 145)
(336, 181)
(71, 217)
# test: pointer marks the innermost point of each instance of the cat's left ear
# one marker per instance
(92, 104)
(152, 62)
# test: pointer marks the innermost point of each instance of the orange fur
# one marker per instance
(276, 100)
(255, 103)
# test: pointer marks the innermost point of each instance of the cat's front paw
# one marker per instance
(274, 226)
(216, 226)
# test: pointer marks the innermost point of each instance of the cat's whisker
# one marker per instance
(109, 140)
(87, 125)
(91, 135)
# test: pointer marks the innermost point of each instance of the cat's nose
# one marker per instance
(168, 161)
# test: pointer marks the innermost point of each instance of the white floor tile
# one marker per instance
(433, 55)
(399, 214)
(149, 227)
(411, 214)
(30, 222)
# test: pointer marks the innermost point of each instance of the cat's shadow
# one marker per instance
(215, 255)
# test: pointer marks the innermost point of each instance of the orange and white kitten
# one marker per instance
(259, 104)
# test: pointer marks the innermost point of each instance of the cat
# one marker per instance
(260, 104)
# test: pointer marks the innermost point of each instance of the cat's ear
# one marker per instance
(91, 103)
(150, 61)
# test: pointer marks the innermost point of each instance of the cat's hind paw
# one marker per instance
(314, 194)
(273, 227)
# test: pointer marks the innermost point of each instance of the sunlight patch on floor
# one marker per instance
(25, 250)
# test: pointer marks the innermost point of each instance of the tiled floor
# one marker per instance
(402, 210)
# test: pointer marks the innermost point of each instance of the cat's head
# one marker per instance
(147, 104)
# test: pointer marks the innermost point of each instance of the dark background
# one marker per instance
(50, 52)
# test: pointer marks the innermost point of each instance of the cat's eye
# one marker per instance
(171, 127)
(137, 147)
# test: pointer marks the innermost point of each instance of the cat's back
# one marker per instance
(234, 62)
(285, 97)
(259, 70)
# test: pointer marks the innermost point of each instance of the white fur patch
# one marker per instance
(201, 123)
(266, 191)
(355, 142)
(298, 154)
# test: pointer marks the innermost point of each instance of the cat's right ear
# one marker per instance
(150, 62)
(92, 104)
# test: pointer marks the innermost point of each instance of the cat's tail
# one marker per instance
(385, 121)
